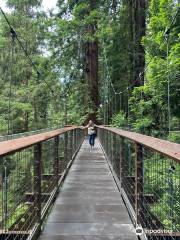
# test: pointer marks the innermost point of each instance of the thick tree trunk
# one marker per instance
(28, 75)
(114, 8)
(91, 71)
(132, 43)
(139, 22)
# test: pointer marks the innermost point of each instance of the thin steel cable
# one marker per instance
(168, 87)
(147, 65)
(13, 32)
(10, 84)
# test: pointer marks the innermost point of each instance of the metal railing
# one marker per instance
(147, 171)
(32, 169)
(25, 134)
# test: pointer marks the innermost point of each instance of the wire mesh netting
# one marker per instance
(161, 194)
(149, 183)
(29, 181)
(17, 186)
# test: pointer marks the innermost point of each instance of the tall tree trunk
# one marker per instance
(91, 70)
(132, 42)
(114, 8)
(27, 76)
(139, 31)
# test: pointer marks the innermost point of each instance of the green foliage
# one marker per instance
(17, 214)
(157, 182)
(143, 125)
(149, 103)
(174, 137)
(119, 120)
(60, 95)
(27, 102)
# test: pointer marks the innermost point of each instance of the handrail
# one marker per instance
(32, 169)
(26, 134)
(10, 146)
(167, 148)
(146, 170)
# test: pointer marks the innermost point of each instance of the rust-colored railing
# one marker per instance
(147, 171)
(32, 169)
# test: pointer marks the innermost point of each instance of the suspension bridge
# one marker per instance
(54, 186)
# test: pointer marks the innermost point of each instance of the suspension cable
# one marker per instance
(13, 32)
(10, 83)
(167, 38)
(167, 32)
(168, 84)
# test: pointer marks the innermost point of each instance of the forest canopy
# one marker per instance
(116, 62)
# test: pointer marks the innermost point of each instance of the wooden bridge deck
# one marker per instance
(89, 205)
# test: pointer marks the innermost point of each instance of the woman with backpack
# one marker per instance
(91, 133)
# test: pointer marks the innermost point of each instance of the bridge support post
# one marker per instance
(138, 182)
(114, 156)
(101, 135)
(56, 160)
(37, 182)
(65, 149)
(112, 150)
(108, 145)
(70, 145)
(122, 160)
(76, 133)
(73, 141)
(111, 147)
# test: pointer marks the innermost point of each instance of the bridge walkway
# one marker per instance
(89, 205)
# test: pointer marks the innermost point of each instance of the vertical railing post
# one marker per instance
(56, 160)
(70, 144)
(37, 182)
(5, 197)
(65, 149)
(109, 146)
(68, 148)
(111, 149)
(122, 160)
(79, 137)
(61, 153)
(107, 143)
(73, 141)
(76, 139)
(114, 164)
(101, 136)
(138, 181)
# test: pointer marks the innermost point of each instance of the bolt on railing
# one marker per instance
(147, 171)
(32, 170)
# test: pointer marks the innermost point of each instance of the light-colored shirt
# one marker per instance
(91, 130)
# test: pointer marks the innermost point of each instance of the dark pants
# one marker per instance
(92, 139)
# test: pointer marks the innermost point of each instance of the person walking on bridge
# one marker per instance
(91, 133)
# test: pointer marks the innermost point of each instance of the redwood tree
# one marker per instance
(91, 65)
